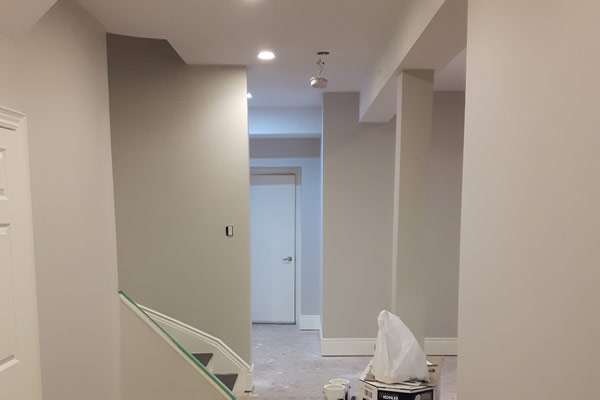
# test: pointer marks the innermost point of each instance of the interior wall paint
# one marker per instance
(18, 17)
(410, 26)
(285, 148)
(152, 366)
(529, 263)
(284, 121)
(358, 190)
(57, 75)
(412, 157)
(442, 229)
(310, 256)
(181, 171)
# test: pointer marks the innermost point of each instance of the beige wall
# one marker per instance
(413, 138)
(358, 211)
(530, 255)
(442, 230)
(358, 189)
(181, 171)
(285, 147)
(153, 370)
(57, 75)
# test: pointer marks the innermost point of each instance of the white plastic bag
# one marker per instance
(398, 355)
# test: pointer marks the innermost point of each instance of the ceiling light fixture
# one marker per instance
(266, 55)
(318, 82)
(249, 95)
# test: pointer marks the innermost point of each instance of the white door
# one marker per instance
(19, 343)
(272, 237)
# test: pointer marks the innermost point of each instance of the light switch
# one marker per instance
(229, 231)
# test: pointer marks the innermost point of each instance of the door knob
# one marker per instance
(288, 259)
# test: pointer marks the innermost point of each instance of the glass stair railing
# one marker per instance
(194, 359)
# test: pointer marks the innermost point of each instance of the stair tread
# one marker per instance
(227, 379)
(204, 358)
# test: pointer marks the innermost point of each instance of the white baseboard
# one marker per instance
(310, 322)
(366, 346)
(441, 346)
(347, 347)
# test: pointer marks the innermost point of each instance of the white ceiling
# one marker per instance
(231, 32)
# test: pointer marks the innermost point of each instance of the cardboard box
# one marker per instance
(370, 389)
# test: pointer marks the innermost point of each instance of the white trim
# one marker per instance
(310, 322)
(441, 346)
(10, 119)
(366, 346)
(242, 368)
(347, 346)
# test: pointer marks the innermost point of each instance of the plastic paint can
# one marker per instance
(344, 382)
(334, 392)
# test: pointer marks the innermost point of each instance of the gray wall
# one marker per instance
(442, 230)
(358, 189)
(413, 138)
(285, 148)
(357, 211)
(530, 254)
(181, 170)
(303, 153)
(57, 75)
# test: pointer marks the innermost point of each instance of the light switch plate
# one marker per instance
(229, 231)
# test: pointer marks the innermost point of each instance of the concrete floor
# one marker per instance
(288, 366)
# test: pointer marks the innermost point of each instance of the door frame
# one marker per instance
(297, 172)
(25, 306)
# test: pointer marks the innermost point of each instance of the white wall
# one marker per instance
(57, 75)
(310, 163)
(299, 122)
(529, 262)
(181, 170)
(358, 190)
(442, 230)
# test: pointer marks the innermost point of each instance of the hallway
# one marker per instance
(287, 366)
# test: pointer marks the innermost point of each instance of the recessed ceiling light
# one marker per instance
(266, 55)
(249, 95)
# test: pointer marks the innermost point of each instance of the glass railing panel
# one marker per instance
(180, 347)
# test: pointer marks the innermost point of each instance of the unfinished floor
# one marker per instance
(288, 366)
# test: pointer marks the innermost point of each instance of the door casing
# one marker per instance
(297, 171)
(20, 373)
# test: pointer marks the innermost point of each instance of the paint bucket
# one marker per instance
(334, 392)
(344, 382)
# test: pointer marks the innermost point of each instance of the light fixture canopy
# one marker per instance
(266, 55)
(249, 95)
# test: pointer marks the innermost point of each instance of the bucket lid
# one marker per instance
(339, 381)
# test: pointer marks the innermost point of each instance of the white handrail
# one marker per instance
(244, 370)
(157, 330)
